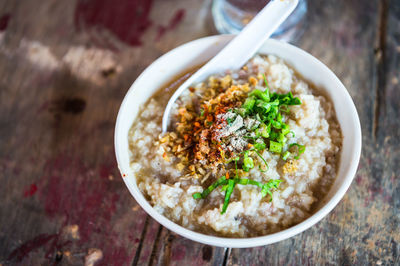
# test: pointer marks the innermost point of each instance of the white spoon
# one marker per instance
(240, 49)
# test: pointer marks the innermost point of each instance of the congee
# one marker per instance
(248, 152)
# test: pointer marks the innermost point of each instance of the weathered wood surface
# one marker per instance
(64, 69)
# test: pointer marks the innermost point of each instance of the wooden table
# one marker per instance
(65, 67)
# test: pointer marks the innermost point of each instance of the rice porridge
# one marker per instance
(248, 153)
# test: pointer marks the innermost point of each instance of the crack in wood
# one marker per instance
(155, 245)
(380, 60)
(166, 256)
(226, 256)
(142, 237)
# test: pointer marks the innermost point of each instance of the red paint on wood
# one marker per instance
(30, 191)
(72, 191)
(16, 171)
(22, 251)
(4, 21)
(178, 253)
(128, 20)
(175, 20)
(106, 170)
(359, 180)
(77, 193)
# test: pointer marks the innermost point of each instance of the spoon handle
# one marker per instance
(241, 48)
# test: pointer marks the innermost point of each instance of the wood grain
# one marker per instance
(65, 67)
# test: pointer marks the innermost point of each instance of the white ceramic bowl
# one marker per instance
(199, 51)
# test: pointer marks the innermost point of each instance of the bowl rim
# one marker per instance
(251, 241)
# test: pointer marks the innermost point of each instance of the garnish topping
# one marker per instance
(232, 124)
(230, 184)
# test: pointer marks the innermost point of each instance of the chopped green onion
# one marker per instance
(266, 83)
(245, 181)
(276, 124)
(249, 104)
(241, 111)
(228, 193)
(275, 146)
(295, 101)
(248, 164)
(263, 107)
(208, 190)
(250, 137)
(300, 149)
(265, 130)
(281, 138)
(284, 108)
(293, 135)
(256, 125)
(197, 195)
(285, 129)
(258, 117)
(266, 189)
(287, 99)
(286, 155)
(266, 164)
(273, 113)
(260, 146)
(273, 135)
(224, 187)
(229, 185)
(275, 103)
(260, 95)
(279, 118)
